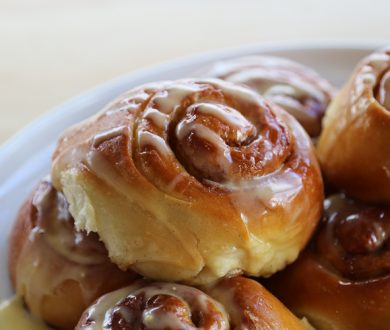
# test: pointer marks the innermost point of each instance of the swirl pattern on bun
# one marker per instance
(192, 180)
(342, 281)
(296, 88)
(233, 303)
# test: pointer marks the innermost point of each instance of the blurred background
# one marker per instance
(52, 50)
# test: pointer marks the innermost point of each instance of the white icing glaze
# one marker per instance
(70, 158)
(296, 88)
(384, 91)
(129, 103)
(157, 142)
(51, 255)
(13, 316)
(152, 319)
(183, 129)
(225, 114)
(387, 170)
(255, 197)
(283, 89)
(268, 71)
(265, 79)
(158, 118)
(35, 279)
(243, 94)
(364, 81)
(55, 230)
(223, 157)
(379, 61)
(99, 314)
(306, 324)
(229, 116)
(124, 313)
(62, 241)
(168, 100)
(109, 134)
(270, 189)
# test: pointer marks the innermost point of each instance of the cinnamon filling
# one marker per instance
(382, 90)
(156, 306)
(217, 134)
(54, 224)
(355, 238)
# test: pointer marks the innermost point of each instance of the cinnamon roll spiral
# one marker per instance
(56, 270)
(295, 87)
(234, 303)
(192, 180)
(342, 281)
(354, 148)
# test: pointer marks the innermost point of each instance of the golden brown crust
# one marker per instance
(205, 174)
(19, 234)
(354, 148)
(233, 303)
(251, 306)
(57, 272)
(295, 87)
(342, 281)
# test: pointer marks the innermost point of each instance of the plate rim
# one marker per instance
(15, 140)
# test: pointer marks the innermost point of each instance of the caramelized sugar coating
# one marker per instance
(354, 147)
(233, 303)
(191, 180)
(342, 280)
(57, 270)
(296, 88)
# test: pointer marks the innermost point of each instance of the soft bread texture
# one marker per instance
(354, 147)
(296, 88)
(233, 303)
(55, 270)
(192, 180)
(342, 280)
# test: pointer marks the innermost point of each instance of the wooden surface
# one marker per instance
(52, 50)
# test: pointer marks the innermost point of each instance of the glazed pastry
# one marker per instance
(191, 180)
(342, 281)
(296, 88)
(354, 147)
(58, 271)
(233, 303)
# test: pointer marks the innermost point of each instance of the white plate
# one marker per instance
(25, 158)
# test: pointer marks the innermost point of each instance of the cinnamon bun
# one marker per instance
(56, 270)
(342, 281)
(192, 180)
(354, 147)
(233, 303)
(296, 88)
